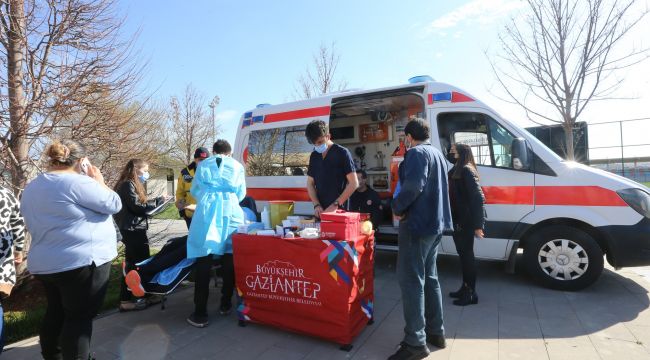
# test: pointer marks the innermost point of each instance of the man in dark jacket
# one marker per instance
(366, 199)
(424, 211)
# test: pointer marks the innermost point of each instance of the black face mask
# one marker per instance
(452, 158)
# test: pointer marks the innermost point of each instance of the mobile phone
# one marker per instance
(85, 165)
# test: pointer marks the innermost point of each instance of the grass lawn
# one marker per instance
(646, 184)
(170, 213)
(25, 309)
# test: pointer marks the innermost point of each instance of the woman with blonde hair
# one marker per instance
(133, 223)
(68, 212)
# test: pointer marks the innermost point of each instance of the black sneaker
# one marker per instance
(437, 341)
(225, 308)
(408, 352)
(199, 321)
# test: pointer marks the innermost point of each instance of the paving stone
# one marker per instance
(514, 319)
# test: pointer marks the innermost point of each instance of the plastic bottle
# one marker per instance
(266, 218)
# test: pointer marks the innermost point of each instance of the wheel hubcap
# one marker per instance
(563, 259)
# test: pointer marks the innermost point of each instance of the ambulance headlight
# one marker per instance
(638, 200)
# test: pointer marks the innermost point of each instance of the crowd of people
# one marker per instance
(76, 220)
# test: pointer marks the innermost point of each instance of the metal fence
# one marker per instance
(621, 147)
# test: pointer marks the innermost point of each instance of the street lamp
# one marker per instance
(213, 104)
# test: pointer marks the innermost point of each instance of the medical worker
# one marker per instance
(218, 187)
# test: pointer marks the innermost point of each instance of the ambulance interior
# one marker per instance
(371, 126)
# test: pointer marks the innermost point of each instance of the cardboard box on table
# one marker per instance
(317, 287)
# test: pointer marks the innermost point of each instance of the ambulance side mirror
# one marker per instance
(520, 154)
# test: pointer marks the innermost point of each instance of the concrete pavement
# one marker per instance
(515, 319)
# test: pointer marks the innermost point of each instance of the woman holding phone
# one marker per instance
(133, 223)
(468, 213)
(73, 243)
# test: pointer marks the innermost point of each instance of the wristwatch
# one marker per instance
(337, 203)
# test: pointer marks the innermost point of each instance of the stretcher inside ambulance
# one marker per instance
(565, 217)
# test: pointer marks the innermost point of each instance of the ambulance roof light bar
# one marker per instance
(420, 79)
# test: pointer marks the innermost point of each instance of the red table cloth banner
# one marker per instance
(317, 287)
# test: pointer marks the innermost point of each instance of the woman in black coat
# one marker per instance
(468, 212)
(133, 223)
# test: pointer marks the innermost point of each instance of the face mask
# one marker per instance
(452, 158)
(144, 177)
(321, 148)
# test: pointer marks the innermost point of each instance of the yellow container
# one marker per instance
(279, 211)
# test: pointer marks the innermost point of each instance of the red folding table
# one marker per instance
(317, 287)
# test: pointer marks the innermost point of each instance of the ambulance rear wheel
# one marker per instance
(563, 258)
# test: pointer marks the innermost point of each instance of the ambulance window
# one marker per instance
(278, 152)
(501, 144)
(479, 143)
(466, 128)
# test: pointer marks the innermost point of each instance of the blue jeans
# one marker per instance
(417, 274)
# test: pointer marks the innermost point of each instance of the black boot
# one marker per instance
(469, 297)
(458, 293)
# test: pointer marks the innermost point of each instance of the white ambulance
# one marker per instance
(564, 215)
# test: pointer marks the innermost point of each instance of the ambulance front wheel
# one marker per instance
(563, 258)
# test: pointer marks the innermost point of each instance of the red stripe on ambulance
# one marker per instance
(266, 194)
(495, 195)
(552, 195)
(509, 195)
(297, 114)
(577, 195)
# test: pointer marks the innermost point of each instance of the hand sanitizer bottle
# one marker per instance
(266, 218)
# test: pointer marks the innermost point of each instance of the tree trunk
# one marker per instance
(18, 123)
(568, 137)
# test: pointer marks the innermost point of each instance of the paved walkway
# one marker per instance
(514, 319)
(162, 230)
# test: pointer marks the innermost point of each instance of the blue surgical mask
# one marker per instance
(321, 148)
(144, 177)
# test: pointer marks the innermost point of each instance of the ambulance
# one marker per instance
(565, 217)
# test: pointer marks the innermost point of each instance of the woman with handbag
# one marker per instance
(468, 213)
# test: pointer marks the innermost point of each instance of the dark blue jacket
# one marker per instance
(424, 199)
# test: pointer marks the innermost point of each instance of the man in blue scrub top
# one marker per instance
(331, 177)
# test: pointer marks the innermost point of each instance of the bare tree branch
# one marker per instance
(562, 56)
(321, 78)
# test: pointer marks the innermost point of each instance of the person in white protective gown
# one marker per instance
(218, 187)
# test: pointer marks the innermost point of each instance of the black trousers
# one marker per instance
(202, 282)
(136, 249)
(464, 241)
(73, 299)
(188, 221)
(171, 254)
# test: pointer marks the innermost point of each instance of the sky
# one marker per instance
(252, 52)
